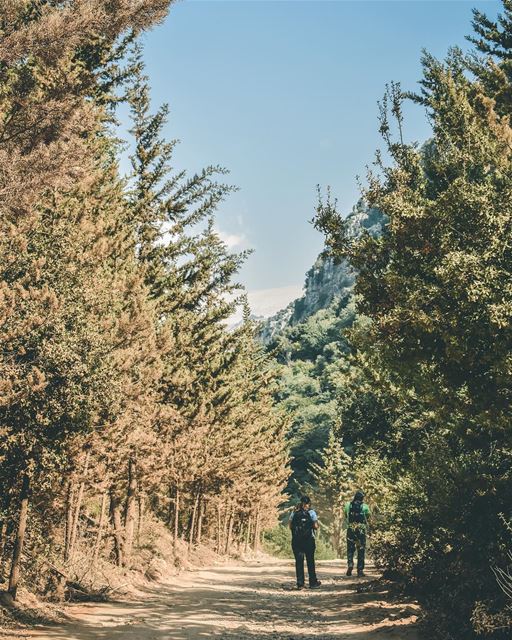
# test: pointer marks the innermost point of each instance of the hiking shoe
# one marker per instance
(349, 571)
(361, 574)
(300, 587)
(315, 585)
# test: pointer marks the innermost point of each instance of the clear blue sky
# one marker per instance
(284, 94)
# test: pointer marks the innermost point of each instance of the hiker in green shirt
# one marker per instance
(357, 514)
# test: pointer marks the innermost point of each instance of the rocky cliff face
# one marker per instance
(326, 279)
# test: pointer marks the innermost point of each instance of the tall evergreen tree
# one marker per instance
(122, 390)
(52, 360)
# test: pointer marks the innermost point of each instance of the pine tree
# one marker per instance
(52, 361)
(122, 389)
(335, 478)
(492, 38)
(205, 419)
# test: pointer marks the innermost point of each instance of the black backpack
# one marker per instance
(356, 513)
(302, 525)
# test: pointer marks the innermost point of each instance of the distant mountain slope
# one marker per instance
(325, 280)
(308, 340)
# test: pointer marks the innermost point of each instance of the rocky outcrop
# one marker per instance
(326, 279)
(271, 327)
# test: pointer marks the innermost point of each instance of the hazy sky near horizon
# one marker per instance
(284, 95)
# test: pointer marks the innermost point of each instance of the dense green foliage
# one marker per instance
(312, 358)
(431, 395)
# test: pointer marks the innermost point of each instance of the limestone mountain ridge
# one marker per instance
(326, 280)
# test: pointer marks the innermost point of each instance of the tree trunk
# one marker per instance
(69, 520)
(20, 537)
(256, 540)
(99, 534)
(78, 506)
(200, 522)
(248, 534)
(130, 510)
(115, 511)
(176, 516)
(2, 538)
(140, 518)
(61, 580)
(219, 528)
(225, 530)
(193, 523)
(230, 531)
(172, 506)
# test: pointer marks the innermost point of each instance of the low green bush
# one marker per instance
(278, 542)
(442, 531)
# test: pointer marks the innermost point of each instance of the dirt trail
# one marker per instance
(251, 601)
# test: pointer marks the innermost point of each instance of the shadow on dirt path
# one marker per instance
(253, 601)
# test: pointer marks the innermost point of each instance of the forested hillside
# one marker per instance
(309, 341)
(126, 407)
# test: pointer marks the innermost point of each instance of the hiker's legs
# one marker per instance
(351, 549)
(298, 552)
(310, 559)
(361, 550)
(360, 558)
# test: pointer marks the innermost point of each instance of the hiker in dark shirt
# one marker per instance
(303, 523)
(357, 514)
